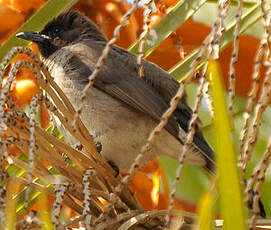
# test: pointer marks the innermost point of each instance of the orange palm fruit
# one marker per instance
(10, 18)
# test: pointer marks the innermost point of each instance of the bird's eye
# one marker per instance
(57, 30)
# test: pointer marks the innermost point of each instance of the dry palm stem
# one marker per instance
(264, 100)
(63, 103)
(206, 94)
(259, 175)
(122, 217)
(133, 218)
(261, 56)
(43, 148)
(252, 96)
(212, 48)
(45, 177)
(94, 184)
(142, 218)
(4, 92)
(187, 143)
(3, 177)
(143, 36)
(208, 99)
(30, 221)
(86, 184)
(266, 21)
(103, 168)
(32, 123)
(255, 175)
(60, 190)
(234, 56)
(261, 106)
(3, 126)
(47, 152)
(67, 200)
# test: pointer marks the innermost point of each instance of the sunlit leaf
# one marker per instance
(12, 189)
(45, 214)
(182, 11)
(206, 211)
(246, 3)
(251, 16)
(231, 200)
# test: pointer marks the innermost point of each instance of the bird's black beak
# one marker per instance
(43, 41)
(34, 37)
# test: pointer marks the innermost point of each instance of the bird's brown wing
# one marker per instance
(121, 82)
(163, 84)
(118, 78)
(150, 95)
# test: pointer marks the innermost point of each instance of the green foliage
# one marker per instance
(230, 193)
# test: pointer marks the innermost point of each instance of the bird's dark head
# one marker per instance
(68, 28)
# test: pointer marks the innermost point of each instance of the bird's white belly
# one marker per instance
(121, 131)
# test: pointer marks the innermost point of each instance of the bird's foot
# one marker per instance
(78, 146)
(115, 167)
(99, 146)
(262, 212)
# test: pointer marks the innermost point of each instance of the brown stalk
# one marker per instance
(143, 36)
(259, 59)
(33, 139)
(264, 101)
(234, 57)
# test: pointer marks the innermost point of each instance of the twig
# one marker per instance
(60, 190)
(143, 36)
(86, 191)
(259, 175)
(260, 55)
(234, 56)
(260, 108)
(187, 143)
(32, 123)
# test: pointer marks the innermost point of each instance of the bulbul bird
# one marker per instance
(121, 109)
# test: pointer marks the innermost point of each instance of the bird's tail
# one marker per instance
(205, 150)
